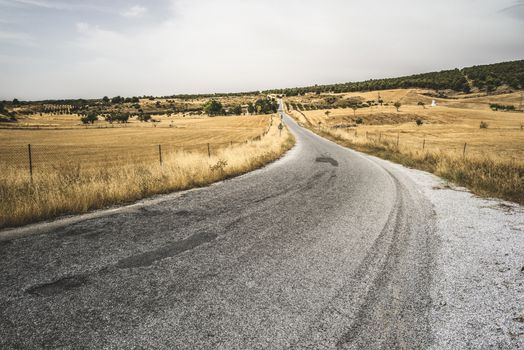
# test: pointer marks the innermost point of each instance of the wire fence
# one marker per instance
(35, 158)
(432, 143)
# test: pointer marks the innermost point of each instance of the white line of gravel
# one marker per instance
(478, 286)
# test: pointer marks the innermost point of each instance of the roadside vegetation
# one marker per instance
(93, 177)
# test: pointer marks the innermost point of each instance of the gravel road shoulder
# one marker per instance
(477, 289)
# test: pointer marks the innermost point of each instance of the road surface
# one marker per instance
(325, 248)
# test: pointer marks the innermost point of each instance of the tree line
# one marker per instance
(260, 106)
(490, 76)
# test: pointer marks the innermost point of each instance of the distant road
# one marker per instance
(325, 248)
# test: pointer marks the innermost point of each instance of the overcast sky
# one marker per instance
(74, 48)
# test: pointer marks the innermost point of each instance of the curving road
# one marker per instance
(324, 248)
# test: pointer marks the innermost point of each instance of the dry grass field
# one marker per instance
(493, 162)
(77, 170)
(103, 143)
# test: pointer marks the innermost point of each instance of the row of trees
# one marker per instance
(91, 118)
(491, 76)
(450, 79)
(353, 105)
(261, 106)
(212, 96)
(120, 99)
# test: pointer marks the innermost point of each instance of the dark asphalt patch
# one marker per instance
(58, 286)
(170, 250)
(326, 160)
(5, 243)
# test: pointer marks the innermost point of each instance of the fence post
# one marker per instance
(208, 151)
(464, 151)
(423, 144)
(379, 137)
(30, 156)
(366, 135)
(160, 153)
(355, 133)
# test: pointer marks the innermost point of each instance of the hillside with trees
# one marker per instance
(492, 76)
(489, 77)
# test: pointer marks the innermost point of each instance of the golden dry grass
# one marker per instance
(413, 96)
(494, 159)
(69, 187)
(445, 129)
(134, 142)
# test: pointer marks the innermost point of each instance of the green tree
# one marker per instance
(354, 107)
(121, 117)
(397, 105)
(144, 117)
(250, 108)
(266, 106)
(90, 118)
(213, 108)
(105, 99)
(16, 102)
(117, 99)
(237, 110)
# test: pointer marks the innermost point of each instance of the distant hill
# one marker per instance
(485, 77)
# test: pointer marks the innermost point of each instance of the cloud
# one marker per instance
(188, 46)
(135, 11)
(516, 10)
(57, 5)
(17, 38)
(82, 27)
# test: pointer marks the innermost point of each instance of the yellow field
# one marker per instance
(79, 170)
(413, 96)
(134, 141)
(444, 129)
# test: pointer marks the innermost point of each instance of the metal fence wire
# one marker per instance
(34, 157)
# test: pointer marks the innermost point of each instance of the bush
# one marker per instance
(359, 120)
(121, 117)
(89, 118)
(419, 122)
(213, 108)
(483, 125)
(144, 117)
(496, 107)
(237, 110)
(397, 105)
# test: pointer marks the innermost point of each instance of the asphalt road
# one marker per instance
(324, 248)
